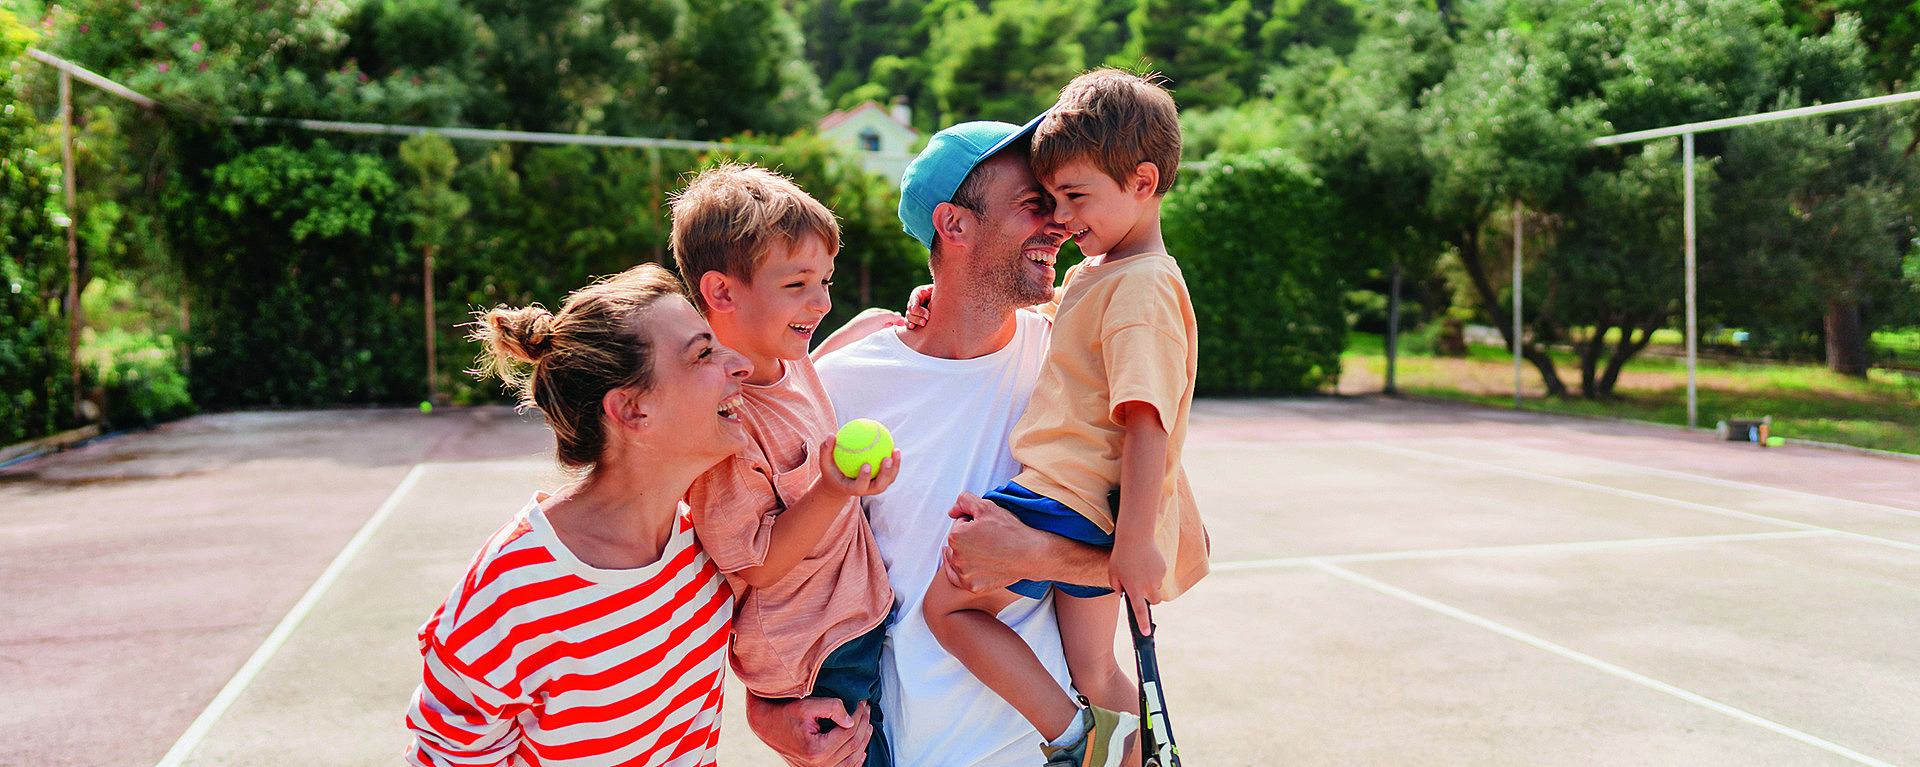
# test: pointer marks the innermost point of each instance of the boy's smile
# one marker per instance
(1101, 215)
(776, 313)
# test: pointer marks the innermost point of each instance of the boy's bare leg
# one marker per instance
(968, 625)
(1087, 629)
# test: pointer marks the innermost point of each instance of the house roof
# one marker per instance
(839, 116)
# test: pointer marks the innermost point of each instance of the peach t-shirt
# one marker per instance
(1124, 332)
(781, 634)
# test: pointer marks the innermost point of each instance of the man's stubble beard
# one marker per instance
(1014, 286)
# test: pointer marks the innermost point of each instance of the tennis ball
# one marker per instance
(862, 442)
(426, 406)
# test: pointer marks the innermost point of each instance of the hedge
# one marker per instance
(1250, 232)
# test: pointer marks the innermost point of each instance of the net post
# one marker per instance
(1693, 330)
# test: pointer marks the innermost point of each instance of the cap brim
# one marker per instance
(1025, 131)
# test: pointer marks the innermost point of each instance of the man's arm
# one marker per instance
(989, 549)
(794, 730)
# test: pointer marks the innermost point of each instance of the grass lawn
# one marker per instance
(1806, 402)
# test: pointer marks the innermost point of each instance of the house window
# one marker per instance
(869, 140)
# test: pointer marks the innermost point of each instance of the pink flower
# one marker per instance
(203, 66)
(83, 29)
(157, 26)
(196, 46)
(363, 77)
(164, 67)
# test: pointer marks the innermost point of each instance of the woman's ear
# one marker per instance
(716, 290)
(1145, 180)
(950, 222)
(626, 408)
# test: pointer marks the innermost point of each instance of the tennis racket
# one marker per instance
(1156, 736)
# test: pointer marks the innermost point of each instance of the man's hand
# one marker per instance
(812, 732)
(990, 549)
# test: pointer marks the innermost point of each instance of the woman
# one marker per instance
(591, 630)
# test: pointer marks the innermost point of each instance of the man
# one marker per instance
(951, 391)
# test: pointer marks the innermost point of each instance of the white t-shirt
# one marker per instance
(951, 420)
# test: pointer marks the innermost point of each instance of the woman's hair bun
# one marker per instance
(525, 334)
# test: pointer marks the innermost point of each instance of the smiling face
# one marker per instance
(1103, 216)
(1019, 240)
(773, 316)
(695, 397)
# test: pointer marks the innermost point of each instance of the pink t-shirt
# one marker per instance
(784, 632)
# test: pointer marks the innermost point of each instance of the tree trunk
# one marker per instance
(1846, 345)
(1590, 358)
(1628, 347)
(1468, 246)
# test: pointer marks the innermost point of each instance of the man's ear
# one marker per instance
(1145, 180)
(716, 289)
(951, 222)
(625, 408)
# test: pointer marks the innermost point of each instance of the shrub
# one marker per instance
(1251, 235)
(137, 375)
(34, 376)
(301, 289)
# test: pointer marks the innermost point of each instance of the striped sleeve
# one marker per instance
(451, 720)
(535, 660)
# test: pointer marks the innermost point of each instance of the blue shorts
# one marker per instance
(1042, 513)
(852, 674)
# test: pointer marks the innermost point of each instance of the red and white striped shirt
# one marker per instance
(537, 658)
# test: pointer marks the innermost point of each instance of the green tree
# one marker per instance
(735, 66)
(434, 208)
(1617, 269)
(35, 393)
(1197, 44)
(1007, 62)
(1890, 31)
(1818, 218)
(295, 271)
(1496, 133)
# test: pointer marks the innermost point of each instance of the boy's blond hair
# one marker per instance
(1114, 119)
(731, 215)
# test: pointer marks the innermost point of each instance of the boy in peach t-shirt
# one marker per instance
(1101, 437)
(780, 520)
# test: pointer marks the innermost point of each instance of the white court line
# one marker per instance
(191, 739)
(1525, 548)
(1701, 478)
(1534, 475)
(1588, 660)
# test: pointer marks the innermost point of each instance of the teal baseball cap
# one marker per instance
(937, 172)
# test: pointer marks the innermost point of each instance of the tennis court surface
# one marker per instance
(1396, 583)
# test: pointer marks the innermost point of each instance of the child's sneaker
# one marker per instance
(1103, 745)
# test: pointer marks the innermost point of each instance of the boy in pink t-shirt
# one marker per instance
(780, 520)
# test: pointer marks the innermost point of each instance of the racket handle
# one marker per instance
(1156, 735)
